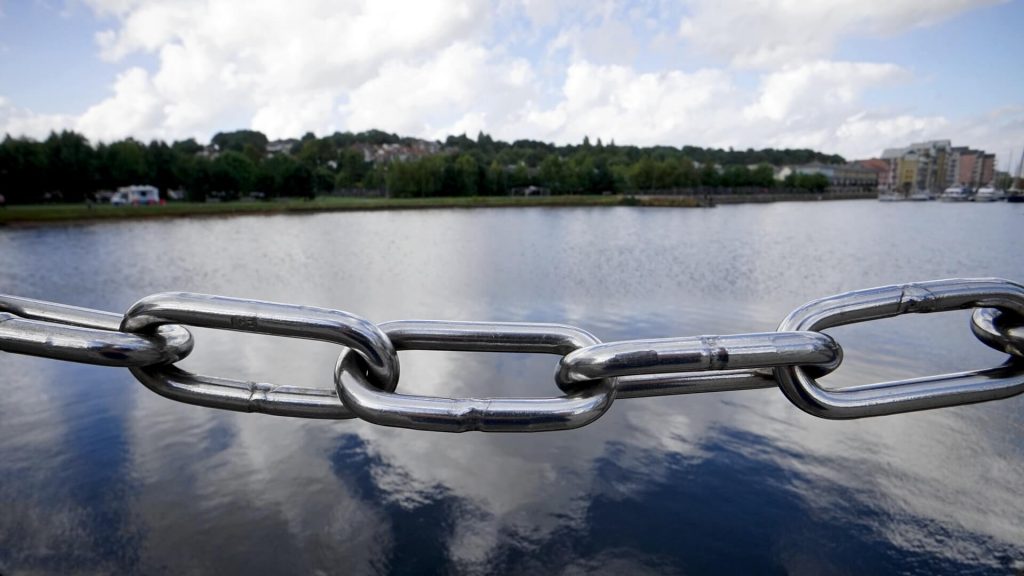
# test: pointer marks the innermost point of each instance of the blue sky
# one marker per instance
(841, 76)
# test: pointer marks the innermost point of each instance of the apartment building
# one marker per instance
(934, 166)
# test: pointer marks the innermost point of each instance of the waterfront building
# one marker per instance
(842, 177)
(935, 165)
(987, 171)
(881, 169)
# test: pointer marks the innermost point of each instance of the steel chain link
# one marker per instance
(152, 335)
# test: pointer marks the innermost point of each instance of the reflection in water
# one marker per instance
(98, 475)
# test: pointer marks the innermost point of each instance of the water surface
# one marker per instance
(99, 475)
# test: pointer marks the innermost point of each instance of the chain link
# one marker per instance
(903, 395)
(218, 312)
(573, 410)
(86, 336)
(152, 335)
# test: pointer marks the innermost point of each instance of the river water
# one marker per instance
(99, 475)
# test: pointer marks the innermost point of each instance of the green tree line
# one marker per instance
(67, 167)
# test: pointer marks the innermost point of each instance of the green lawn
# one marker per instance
(72, 212)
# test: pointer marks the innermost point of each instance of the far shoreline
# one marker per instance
(43, 214)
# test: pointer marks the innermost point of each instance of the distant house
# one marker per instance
(387, 153)
(209, 152)
(281, 146)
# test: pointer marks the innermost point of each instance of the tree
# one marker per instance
(66, 162)
(234, 173)
(642, 174)
(352, 169)
(468, 175)
(284, 176)
(317, 153)
(187, 147)
(735, 176)
(125, 164)
(809, 182)
(70, 163)
(552, 174)
(763, 176)
(418, 178)
(708, 175)
(200, 178)
(323, 180)
(239, 139)
(22, 170)
(497, 180)
(520, 177)
(163, 168)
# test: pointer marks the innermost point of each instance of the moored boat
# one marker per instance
(954, 194)
(988, 194)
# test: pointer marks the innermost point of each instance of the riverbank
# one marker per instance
(54, 213)
(43, 213)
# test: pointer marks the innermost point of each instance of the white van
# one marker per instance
(135, 196)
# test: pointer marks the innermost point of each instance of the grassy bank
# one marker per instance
(80, 212)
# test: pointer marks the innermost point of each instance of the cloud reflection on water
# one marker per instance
(728, 482)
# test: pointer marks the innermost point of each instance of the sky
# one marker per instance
(840, 76)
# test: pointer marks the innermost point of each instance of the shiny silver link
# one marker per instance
(243, 396)
(904, 395)
(668, 357)
(84, 335)
(651, 385)
(151, 337)
(465, 414)
(259, 317)
(1002, 330)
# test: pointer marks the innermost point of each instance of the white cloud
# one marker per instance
(611, 42)
(461, 87)
(550, 71)
(794, 92)
(23, 122)
(112, 7)
(902, 128)
(616, 102)
(1001, 130)
(296, 115)
(280, 67)
(765, 33)
(134, 108)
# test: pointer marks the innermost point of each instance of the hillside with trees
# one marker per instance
(67, 167)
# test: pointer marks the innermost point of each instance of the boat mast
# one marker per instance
(1017, 181)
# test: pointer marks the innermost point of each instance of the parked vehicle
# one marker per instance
(135, 196)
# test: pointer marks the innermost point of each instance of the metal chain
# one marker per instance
(152, 335)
